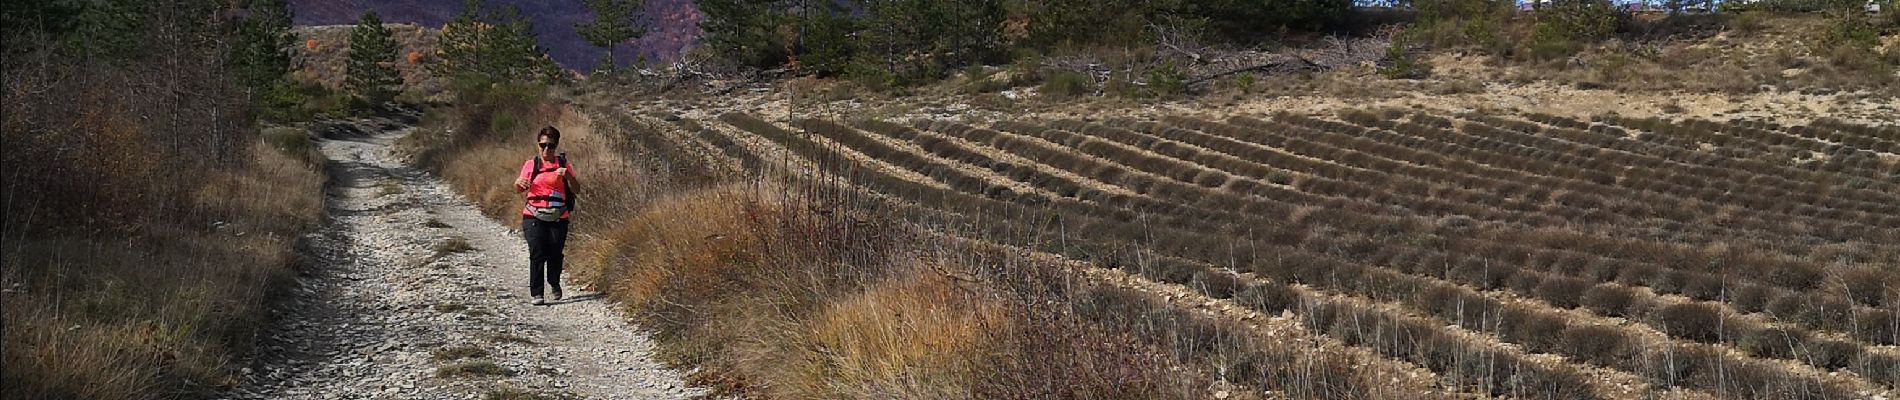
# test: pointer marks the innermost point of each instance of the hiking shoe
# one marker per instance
(539, 302)
(557, 294)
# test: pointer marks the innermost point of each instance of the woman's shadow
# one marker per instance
(578, 298)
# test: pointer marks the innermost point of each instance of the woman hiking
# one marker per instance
(548, 182)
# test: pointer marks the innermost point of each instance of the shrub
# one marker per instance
(1169, 270)
(1480, 273)
(1819, 312)
(1636, 274)
(1536, 331)
(1882, 368)
(1787, 307)
(1693, 321)
(1668, 281)
(1877, 326)
(1167, 81)
(1244, 82)
(1403, 65)
(1830, 354)
(1563, 25)
(1773, 342)
(1214, 284)
(1704, 287)
(1609, 300)
(1267, 298)
(291, 141)
(1793, 275)
(1563, 292)
(1525, 282)
(1869, 285)
(1596, 344)
(1751, 298)
(1067, 84)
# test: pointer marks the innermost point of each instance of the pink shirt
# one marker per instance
(547, 190)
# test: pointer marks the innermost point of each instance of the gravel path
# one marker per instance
(416, 295)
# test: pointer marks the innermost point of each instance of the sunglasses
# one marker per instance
(545, 145)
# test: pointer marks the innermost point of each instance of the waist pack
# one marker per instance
(547, 214)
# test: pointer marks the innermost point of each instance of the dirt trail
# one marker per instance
(395, 308)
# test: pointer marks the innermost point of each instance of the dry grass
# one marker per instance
(746, 281)
(457, 353)
(452, 246)
(513, 393)
(751, 283)
(917, 337)
(473, 369)
(162, 308)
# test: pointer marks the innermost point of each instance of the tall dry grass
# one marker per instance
(748, 280)
(786, 289)
(161, 309)
(147, 226)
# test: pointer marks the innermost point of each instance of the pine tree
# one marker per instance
(744, 31)
(920, 39)
(498, 47)
(371, 73)
(261, 57)
(615, 22)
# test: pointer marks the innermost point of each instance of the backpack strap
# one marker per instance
(567, 203)
(572, 193)
(536, 172)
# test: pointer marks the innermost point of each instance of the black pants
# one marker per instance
(545, 240)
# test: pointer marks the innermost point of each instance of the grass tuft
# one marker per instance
(472, 369)
(453, 353)
(452, 246)
(514, 393)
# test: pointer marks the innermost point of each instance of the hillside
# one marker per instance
(672, 25)
(322, 51)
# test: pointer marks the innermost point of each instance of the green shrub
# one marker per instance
(1066, 84)
(1830, 354)
(1403, 64)
(1462, 23)
(292, 141)
(1563, 27)
(1167, 82)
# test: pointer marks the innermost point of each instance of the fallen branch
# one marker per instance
(1305, 64)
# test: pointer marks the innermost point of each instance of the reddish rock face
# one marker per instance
(672, 25)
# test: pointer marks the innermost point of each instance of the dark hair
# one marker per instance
(553, 135)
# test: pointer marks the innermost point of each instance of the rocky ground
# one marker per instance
(413, 294)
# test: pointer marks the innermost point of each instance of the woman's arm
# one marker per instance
(573, 184)
(521, 180)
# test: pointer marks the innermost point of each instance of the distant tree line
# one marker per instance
(907, 40)
(900, 41)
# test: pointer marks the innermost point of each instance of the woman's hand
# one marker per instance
(521, 184)
(561, 172)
